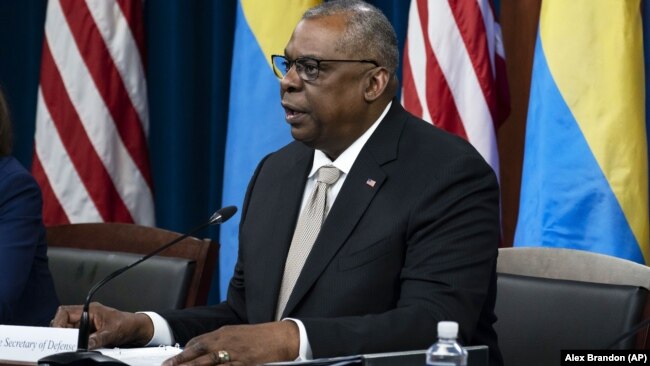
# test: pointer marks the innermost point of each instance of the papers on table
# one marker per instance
(147, 356)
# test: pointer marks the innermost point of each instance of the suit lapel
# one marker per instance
(362, 184)
(291, 190)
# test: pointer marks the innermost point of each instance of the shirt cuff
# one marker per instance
(304, 350)
(162, 332)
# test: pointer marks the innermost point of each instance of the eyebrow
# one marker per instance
(303, 56)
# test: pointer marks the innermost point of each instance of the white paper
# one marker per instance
(29, 344)
(147, 356)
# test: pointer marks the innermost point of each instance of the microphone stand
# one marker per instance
(82, 356)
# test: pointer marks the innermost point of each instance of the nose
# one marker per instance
(291, 80)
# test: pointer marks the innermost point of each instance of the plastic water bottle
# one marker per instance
(447, 352)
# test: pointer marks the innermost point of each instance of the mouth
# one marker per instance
(291, 113)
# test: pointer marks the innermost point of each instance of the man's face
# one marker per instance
(326, 113)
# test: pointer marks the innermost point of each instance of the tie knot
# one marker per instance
(328, 174)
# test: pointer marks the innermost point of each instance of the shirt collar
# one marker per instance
(346, 159)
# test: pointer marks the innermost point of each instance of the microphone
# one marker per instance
(82, 356)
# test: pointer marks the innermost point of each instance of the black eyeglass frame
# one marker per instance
(280, 75)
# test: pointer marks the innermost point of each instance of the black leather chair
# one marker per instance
(81, 255)
(551, 299)
(157, 284)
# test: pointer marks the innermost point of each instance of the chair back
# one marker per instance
(83, 254)
(551, 299)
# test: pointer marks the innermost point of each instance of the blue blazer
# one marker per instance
(27, 295)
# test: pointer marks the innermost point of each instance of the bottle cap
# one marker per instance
(447, 329)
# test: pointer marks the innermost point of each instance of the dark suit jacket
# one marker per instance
(392, 259)
(27, 295)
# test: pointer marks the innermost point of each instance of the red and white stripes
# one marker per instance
(454, 70)
(92, 120)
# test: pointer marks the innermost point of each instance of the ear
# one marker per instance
(376, 83)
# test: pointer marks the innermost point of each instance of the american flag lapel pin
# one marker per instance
(371, 183)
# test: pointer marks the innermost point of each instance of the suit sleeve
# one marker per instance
(451, 248)
(21, 231)
(189, 323)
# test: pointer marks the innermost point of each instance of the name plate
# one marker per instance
(29, 344)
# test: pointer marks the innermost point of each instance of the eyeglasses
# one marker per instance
(306, 67)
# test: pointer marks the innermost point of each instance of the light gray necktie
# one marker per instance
(309, 223)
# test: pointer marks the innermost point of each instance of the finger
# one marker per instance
(61, 318)
(208, 359)
(101, 338)
(65, 317)
(235, 363)
(222, 357)
(190, 353)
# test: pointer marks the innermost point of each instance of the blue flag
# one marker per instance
(256, 125)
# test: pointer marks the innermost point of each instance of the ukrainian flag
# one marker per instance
(256, 123)
(585, 174)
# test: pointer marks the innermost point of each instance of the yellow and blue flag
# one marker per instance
(256, 123)
(585, 175)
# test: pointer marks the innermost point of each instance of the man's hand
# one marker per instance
(108, 327)
(245, 344)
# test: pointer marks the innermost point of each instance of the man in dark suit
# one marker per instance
(410, 231)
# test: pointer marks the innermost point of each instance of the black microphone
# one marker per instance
(84, 357)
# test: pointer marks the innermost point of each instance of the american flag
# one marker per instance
(92, 120)
(454, 70)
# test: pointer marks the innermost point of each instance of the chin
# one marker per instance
(299, 135)
(305, 141)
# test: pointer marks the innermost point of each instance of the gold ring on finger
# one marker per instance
(223, 356)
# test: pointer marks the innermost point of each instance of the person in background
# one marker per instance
(356, 238)
(27, 294)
